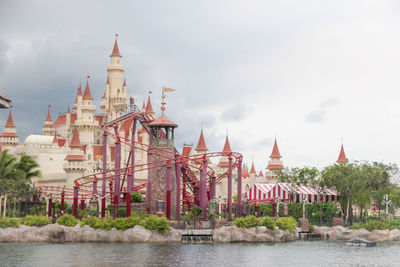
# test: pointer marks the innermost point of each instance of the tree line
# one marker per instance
(360, 184)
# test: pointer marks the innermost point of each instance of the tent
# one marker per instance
(260, 191)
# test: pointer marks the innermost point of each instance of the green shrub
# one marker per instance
(32, 220)
(247, 222)
(196, 212)
(136, 197)
(268, 222)
(9, 222)
(157, 223)
(373, 225)
(93, 222)
(121, 212)
(286, 223)
(67, 220)
(126, 223)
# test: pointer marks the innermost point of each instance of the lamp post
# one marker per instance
(278, 201)
(387, 202)
(305, 201)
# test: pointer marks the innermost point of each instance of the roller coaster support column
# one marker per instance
(75, 203)
(133, 153)
(203, 188)
(117, 182)
(95, 186)
(239, 190)
(148, 190)
(104, 176)
(50, 208)
(128, 195)
(184, 189)
(168, 191)
(82, 203)
(230, 189)
(212, 188)
(62, 202)
(178, 189)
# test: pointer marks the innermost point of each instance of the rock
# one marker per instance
(137, 234)
(378, 235)
(222, 235)
(304, 225)
(88, 234)
(322, 230)
(55, 233)
(394, 235)
(8, 235)
(338, 221)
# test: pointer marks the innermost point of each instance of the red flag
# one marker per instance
(88, 76)
(49, 106)
(168, 89)
(117, 35)
(150, 92)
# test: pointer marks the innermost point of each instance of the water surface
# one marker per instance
(300, 253)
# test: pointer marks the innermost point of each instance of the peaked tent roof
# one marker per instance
(275, 151)
(201, 145)
(342, 156)
(163, 121)
(252, 170)
(115, 52)
(149, 108)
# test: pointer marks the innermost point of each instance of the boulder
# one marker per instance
(137, 234)
(222, 235)
(88, 234)
(394, 235)
(9, 235)
(378, 235)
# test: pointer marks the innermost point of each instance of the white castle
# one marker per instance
(72, 145)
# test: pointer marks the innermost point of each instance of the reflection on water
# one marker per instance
(301, 253)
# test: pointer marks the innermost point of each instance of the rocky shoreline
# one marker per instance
(59, 234)
(225, 234)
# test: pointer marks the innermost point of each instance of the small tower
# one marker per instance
(201, 145)
(48, 127)
(224, 161)
(85, 117)
(252, 174)
(275, 165)
(342, 156)
(76, 162)
(149, 107)
(10, 136)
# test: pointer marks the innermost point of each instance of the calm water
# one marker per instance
(298, 253)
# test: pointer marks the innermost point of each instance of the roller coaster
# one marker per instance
(112, 183)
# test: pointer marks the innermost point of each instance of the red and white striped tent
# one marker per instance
(291, 193)
(260, 191)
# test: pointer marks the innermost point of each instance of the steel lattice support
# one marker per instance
(168, 202)
(104, 177)
(75, 202)
(178, 190)
(148, 191)
(230, 189)
(239, 189)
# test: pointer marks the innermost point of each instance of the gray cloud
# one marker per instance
(320, 115)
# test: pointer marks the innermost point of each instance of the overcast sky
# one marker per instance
(310, 72)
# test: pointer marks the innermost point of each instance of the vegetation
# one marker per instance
(32, 220)
(9, 222)
(378, 225)
(286, 223)
(268, 222)
(136, 197)
(247, 222)
(15, 179)
(67, 220)
(157, 223)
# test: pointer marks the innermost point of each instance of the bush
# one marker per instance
(268, 222)
(9, 222)
(32, 220)
(67, 220)
(286, 223)
(136, 197)
(247, 222)
(126, 223)
(157, 223)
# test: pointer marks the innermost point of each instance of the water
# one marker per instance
(300, 253)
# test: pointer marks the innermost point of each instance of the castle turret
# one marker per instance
(10, 136)
(76, 164)
(114, 101)
(275, 165)
(48, 127)
(149, 107)
(342, 156)
(224, 160)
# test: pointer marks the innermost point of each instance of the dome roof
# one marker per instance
(38, 139)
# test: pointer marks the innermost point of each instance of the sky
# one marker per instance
(313, 74)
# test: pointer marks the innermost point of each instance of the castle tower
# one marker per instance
(342, 156)
(48, 127)
(10, 136)
(85, 117)
(224, 161)
(76, 164)
(275, 165)
(252, 174)
(78, 99)
(114, 100)
(159, 175)
(201, 145)
(149, 107)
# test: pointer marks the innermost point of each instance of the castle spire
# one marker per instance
(115, 52)
(10, 122)
(87, 94)
(10, 136)
(275, 151)
(227, 146)
(149, 107)
(201, 145)
(68, 110)
(342, 156)
(252, 170)
(75, 139)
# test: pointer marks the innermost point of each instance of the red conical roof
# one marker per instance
(108, 80)
(149, 108)
(87, 94)
(342, 156)
(79, 90)
(252, 170)
(75, 139)
(115, 52)
(124, 82)
(245, 173)
(201, 145)
(275, 151)
(10, 122)
(163, 121)
(144, 106)
(48, 118)
(227, 146)
(261, 174)
(68, 111)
